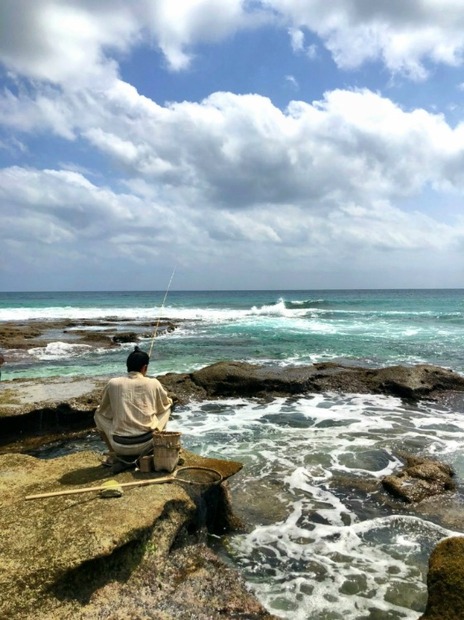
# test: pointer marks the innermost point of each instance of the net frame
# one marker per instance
(186, 472)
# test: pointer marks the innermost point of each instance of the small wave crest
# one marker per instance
(284, 308)
(278, 309)
(307, 304)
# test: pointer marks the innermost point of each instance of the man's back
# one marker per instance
(135, 403)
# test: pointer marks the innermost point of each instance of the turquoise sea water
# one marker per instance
(319, 544)
(286, 327)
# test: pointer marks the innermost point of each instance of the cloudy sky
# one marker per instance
(248, 143)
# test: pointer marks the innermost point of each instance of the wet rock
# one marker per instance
(420, 479)
(192, 583)
(243, 379)
(39, 333)
(126, 337)
(58, 553)
(47, 405)
(94, 338)
(445, 581)
(24, 395)
(16, 336)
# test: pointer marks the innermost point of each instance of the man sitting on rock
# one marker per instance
(132, 407)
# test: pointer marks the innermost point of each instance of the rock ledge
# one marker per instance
(60, 556)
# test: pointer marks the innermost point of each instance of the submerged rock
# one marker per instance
(420, 479)
(445, 581)
(64, 556)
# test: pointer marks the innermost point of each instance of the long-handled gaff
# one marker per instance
(159, 317)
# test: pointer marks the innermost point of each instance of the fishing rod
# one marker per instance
(159, 317)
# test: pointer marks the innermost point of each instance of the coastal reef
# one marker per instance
(251, 380)
(108, 332)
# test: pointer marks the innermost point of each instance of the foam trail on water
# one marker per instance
(316, 551)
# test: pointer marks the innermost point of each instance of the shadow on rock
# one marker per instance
(85, 475)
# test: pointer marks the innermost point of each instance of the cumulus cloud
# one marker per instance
(71, 43)
(63, 41)
(232, 178)
(402, 35)
(67, 42)
(178, 25)
(53, 218)
(239, 151)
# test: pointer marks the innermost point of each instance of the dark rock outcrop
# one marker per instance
(445, 581)
(45, 406)
(420, 479)
(126, 337)
(243, 379)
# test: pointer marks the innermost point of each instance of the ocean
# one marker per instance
(320, 541)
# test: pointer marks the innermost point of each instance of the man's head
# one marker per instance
(137, 361)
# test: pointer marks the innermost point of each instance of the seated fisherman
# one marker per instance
(132, 407)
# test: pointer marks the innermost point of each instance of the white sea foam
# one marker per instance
(59, 350)
(137, 313)
(148, 314)
(328, 557)
(278, 309)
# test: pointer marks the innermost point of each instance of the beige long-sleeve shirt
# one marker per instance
(135, 404)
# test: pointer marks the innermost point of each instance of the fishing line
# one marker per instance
(159, 317)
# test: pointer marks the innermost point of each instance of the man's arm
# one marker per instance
(162, 406)
(104, 408)
(162, 400)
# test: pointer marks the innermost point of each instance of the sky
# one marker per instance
(247, 144)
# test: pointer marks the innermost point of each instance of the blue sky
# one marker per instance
(266, 144)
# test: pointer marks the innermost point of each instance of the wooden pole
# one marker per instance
(139, 483)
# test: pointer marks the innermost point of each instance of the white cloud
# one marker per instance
(241, 151)
(292, 81)
(74, 43)
(178, 25)
(403, 35)
(297, 39)
(64, 41)
(230, 179)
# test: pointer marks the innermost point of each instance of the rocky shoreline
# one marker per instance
(172, 567)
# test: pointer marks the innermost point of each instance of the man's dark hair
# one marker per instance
(137, 360)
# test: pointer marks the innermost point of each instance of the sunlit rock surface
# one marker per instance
(420, 479)
(76, 555)
(445, 581)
